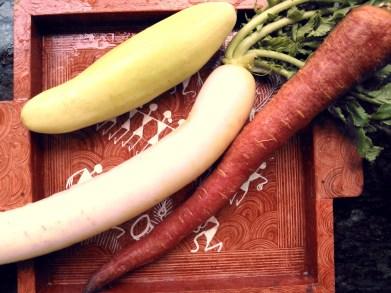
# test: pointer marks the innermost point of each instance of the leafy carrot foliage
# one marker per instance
(365, 109)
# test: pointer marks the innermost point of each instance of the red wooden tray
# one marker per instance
(275, 236)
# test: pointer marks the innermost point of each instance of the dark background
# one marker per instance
(362, 225)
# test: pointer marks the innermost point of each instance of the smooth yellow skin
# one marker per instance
(134, 72)
(220, 111)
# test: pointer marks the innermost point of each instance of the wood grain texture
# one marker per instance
(290, 190)
(26, 280)
(325, 246)
(22, 51)
(16, 178)
(337, 164)
(101, 6)
(15, 173)
(275, 236)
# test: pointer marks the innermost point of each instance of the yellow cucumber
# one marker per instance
(134, 72)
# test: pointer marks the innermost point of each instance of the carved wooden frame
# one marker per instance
(336, 171)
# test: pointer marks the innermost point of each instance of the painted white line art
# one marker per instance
(210, 227)
(148, 227)
(241, 194)
(209, 233)
(131, 139)
(145, 223)
(83, 175)
(185, 85)
(108, 239)
(162, 210)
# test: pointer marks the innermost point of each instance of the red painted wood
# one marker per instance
(277, 236)
(38, 7)
(337, 164)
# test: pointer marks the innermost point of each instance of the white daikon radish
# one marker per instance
(109, 199)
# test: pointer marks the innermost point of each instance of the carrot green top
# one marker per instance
(281, 37)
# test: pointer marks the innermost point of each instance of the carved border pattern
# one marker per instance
(15, 175)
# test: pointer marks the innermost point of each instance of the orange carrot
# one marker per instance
(358, 45)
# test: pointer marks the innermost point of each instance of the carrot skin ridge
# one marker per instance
(359, 44)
